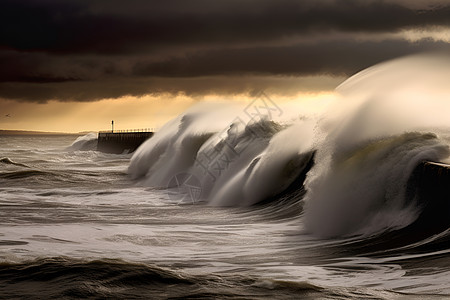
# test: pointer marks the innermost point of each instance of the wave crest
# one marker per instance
(378, 127)
(85, 143)
(364, 190)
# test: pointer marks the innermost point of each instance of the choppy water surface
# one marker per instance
(311, 207)
(72, 223)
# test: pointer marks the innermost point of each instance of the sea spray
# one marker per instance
(378, 134)
(238, 160)
(174, 148)
(236, 155)
(364, 191)
(84, 143)
(378, 126)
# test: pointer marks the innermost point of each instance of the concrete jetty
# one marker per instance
(125, 141)
(433, 180)
(430, 183)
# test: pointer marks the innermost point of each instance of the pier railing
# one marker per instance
(128, 130)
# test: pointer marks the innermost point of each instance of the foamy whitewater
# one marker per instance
(264, 200)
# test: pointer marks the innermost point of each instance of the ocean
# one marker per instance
(233, 203)
(74, 224)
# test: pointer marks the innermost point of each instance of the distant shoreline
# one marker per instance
(29, 132)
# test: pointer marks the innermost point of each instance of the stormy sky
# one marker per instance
(87, 50)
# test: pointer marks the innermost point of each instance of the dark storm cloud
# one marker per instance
(207, 72)
(192, 86)
(89, 49)
(127, 26)
(342, 58)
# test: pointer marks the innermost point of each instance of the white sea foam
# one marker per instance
(377, 128)
(384, 114)
(85, 142)
(238, 161)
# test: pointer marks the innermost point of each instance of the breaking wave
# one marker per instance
(85, 143)
(354, 158)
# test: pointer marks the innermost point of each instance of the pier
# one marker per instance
(430, 184)
(432, 179)
(122, 141)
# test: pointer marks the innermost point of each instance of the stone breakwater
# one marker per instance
(121, 142)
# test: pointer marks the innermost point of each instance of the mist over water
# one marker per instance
(377, 127)
(84, 143)
(265, 200)
(390, 118)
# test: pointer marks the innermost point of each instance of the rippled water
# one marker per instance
(74, 224)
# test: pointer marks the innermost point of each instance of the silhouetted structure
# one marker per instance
(121, 141)
(430, 183)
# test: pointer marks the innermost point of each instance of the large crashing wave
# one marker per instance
(378, 127)
(365, 190)
(236, 162)
(390, 118)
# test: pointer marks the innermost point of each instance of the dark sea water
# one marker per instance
(73, 224)
(326, 200)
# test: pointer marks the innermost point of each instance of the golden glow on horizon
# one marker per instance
(435, 33)
(127, 112)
